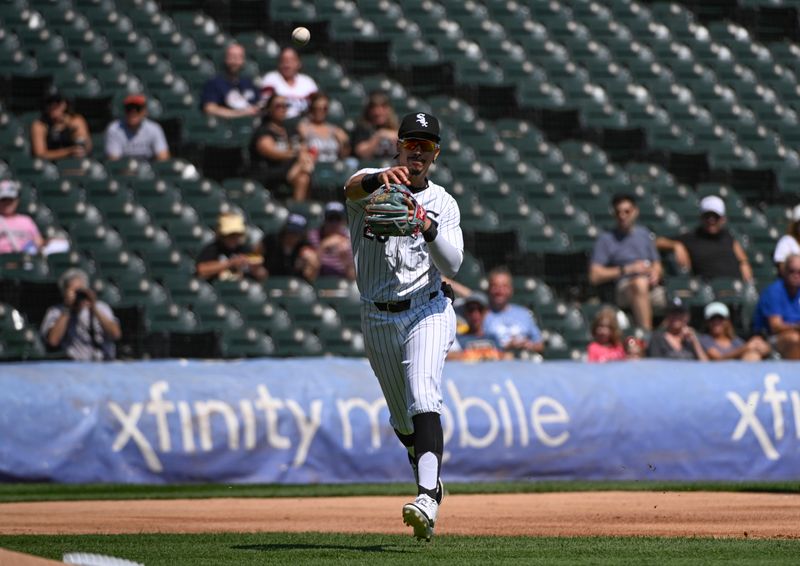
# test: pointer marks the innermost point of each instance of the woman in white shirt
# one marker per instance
(790, 243)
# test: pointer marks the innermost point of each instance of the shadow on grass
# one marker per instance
(305, 546)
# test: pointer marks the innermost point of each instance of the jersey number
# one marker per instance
(370, 236)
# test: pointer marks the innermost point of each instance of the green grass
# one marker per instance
(53, 492)
(313, 548)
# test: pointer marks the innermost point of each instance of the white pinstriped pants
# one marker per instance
(407, 351)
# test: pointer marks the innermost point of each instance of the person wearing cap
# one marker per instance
(676, 340)
(510, 324)
(777, 313)
(606, 345)
(332, 243)
(710, 250)
(230, 94)
(475, 345)
(375, 136)
(59, 133)
(18, 232)
(288, 82)
(135, 135)
(721, 341)
(82, 326)
(789, 242)
(229, 256)
(289, 252)
(277, 155)
(407, 315)
(627, 257)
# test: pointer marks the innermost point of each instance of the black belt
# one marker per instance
(400, 306)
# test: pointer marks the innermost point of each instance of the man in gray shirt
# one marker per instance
(135, 135)
(83, 327)
(627, 255)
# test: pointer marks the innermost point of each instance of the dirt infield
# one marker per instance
(609, 513)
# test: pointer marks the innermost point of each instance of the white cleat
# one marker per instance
(421, 516)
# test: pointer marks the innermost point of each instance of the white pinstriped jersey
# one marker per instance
(400, 267)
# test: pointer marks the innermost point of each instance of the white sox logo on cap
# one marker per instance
(422, 121)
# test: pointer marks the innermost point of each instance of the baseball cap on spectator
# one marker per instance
(712, 204)
(716, 309)
(676, 305)
(419, 125)
(53, 97)
(9, 189)
(230, 224)
(334, 210)
(135, 100)
(477, 298)
(796, 213)
(296, 223)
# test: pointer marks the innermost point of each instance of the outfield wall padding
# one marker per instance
(324, 420)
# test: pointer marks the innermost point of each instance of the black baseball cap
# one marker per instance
(419, 125)
(676, 305)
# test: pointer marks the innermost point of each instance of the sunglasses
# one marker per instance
(133, 108)
(422, 145)
(710, 216)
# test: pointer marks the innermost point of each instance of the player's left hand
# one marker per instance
(394, 212)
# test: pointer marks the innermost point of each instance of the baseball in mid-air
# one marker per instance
(301, 36)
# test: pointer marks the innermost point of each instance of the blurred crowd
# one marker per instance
(293, 136)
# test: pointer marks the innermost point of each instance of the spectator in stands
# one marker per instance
(375, 137)
(135, 135)
(229, 94)
(59, 133)
(18, 232)
(332, 243)
(722, 343)
(628, 257)
(607, 344)
(790, 242)
(474, 344)
(778, 311)
(289, 253)
(276, 155)
(635, 348)
(229, 256)
(676, 340)
(326, 142)
(710, 250)
(83, 327)
(288, 82)
(511, 326)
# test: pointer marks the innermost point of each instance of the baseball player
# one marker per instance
(407, 314)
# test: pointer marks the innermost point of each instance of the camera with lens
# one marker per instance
(81, 295)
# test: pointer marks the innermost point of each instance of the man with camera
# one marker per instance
(82, 327)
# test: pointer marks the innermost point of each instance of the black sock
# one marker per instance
(428, 440)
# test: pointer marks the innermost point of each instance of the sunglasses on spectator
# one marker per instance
(710, 216)
(133, 108)
(422, 145)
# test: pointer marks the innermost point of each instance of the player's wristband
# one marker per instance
(432, 231)
(371, 183)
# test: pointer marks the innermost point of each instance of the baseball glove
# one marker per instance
(393, 211)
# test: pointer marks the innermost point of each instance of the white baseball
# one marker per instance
(301, 35)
